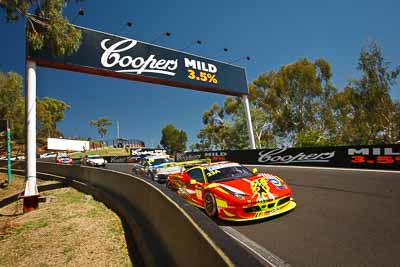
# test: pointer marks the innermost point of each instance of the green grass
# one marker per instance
(71, 197)
(92, 213)
(31, 225)
(109, 151)
(68, 253)
(70, 230)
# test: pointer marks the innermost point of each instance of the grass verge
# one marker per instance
(71, 229)
(109, 151)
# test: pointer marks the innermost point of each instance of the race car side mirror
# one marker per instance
(192, 181)
(254, 170)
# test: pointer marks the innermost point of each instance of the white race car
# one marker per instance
(94, 161)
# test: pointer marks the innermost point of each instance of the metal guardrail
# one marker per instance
(165, 230)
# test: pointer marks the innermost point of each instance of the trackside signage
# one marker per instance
(146, 151)
(110, 55)
(375, 157)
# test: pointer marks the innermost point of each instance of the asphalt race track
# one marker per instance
(343, 218)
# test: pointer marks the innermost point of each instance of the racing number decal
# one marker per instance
(213, 172)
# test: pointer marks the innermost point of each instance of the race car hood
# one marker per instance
(259, 187)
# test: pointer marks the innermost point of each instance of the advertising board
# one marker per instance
(375, 157)
(67, 144)
(111, 55)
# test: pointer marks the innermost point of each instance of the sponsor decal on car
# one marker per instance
(275, 210)
(260, 189)
(273, 180)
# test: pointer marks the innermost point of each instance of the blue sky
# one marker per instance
(272, 33)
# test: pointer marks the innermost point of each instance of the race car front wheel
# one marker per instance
(210, 205)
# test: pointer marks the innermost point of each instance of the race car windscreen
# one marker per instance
(216, 174)
(159, 161)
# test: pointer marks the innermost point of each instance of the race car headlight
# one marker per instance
(235, 194)
(239, 196)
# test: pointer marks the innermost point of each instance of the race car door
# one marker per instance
(195, 188)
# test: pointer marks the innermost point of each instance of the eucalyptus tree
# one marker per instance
(173, 139)
(375, 113)
(47, 27)
(101, 125)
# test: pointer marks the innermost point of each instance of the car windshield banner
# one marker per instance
(375, 157)
(110, 55)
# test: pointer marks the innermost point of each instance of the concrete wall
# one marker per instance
(166, 231)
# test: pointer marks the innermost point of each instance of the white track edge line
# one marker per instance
(238, 237)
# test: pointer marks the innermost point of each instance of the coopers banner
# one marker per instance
(375, 157)
(110, 55)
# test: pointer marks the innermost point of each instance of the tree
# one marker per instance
(212, 136)
(173, 139)
(343, 112)
(310, 138)
(298, 105)
(218, 133)
(12, 104)
(49, 112)
(374, 113)
(294, 102)
(396, 123)
(261, 120)
(47, 27)
(101, 125)
(12, 107)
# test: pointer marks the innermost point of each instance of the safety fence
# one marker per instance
(164, 230)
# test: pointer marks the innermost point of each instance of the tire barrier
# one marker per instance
(164, 230)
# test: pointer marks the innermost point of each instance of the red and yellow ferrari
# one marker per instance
(230, 191)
